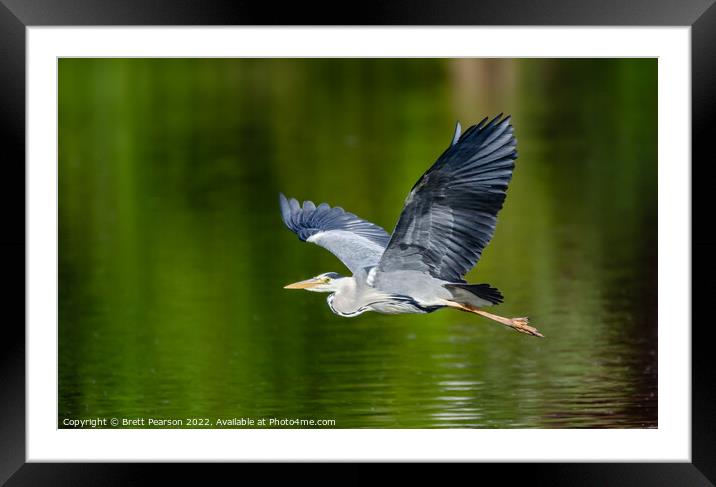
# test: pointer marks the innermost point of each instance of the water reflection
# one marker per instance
(173, 254)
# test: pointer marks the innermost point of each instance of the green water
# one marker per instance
(172, 253)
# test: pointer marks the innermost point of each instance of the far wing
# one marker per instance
(356, 242)
(450, 214)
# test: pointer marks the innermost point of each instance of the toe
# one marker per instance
(520, 324)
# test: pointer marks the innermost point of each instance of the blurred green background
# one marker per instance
(172, 253)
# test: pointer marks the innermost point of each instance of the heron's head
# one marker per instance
(325, 283)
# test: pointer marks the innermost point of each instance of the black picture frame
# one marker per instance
(16, 15)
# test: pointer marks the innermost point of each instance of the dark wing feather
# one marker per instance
(450, 214)
(356, 242)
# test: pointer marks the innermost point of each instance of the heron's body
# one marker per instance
(401, 292)
(448, 218)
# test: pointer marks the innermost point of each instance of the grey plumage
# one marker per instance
(456, 135)
(451, 212)
(448, 218)
(356, 242)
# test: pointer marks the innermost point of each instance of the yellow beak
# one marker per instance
(308, 283)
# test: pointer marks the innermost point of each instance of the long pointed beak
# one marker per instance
(308, 283)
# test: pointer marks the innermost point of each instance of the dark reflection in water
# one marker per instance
(173, 254)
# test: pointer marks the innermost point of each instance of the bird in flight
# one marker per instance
(448, 219)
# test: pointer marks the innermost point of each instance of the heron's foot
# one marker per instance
(519, 324)
(522, 325)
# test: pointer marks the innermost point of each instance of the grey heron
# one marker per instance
(448, 218)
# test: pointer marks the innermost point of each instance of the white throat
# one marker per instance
(346, 300)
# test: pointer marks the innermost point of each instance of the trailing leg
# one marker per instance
(519, 324)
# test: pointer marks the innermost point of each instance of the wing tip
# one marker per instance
(486, 123)
(484, 132)
(457, 133)
(500, 119)
(290, 210)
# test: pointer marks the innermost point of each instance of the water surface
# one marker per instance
(172, 253)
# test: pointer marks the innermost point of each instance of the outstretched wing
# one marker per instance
(450, 214)
(356, 242)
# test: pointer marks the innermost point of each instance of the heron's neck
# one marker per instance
(346, 300)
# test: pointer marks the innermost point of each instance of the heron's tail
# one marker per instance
(477, 295)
